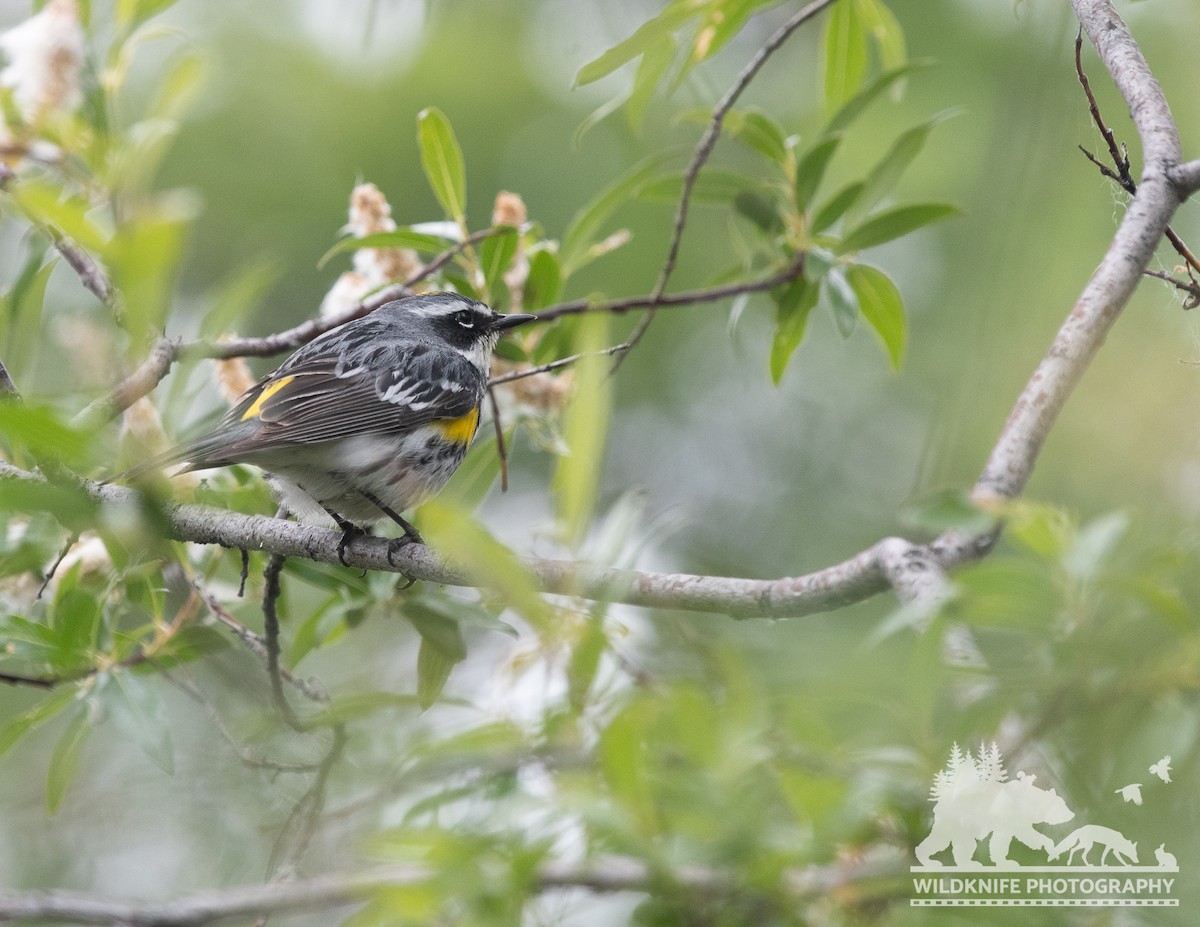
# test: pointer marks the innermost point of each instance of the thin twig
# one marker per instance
(1191, 287)
(498, 427)
(700, 156)
(91, 274)
(301, 824)
(270, 605)
(552, 365)
(1120, 156)
(255, 644)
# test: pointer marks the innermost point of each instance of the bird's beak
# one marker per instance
(502, 323)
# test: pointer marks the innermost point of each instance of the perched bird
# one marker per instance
(367, 420)
(1131, 792)
(1162, 768)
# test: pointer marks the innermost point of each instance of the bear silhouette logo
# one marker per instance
(973, 798)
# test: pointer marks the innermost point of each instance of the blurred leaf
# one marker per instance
(836, 206)
(586, 224)
(442, 647)
(762, 133)
(182, 84)
(460, 538)
(793, 304)
(585, 429)
(1094, 545)
(143, 258)
(646, 36)
(843, 54)
(139, 711)
(713, 186)
(496, 254)
(882, 307)
(584, 661)
(842, 299)
(239, 294)
(22, 306)
(400, 238)
(544, 285)
(885, 31)
(759, 209)
(622, 761)
(130, 13)
(64, 761)
(1043, 529)
(362, 705)
(854, 107)
(811, 169)
(69, 504)
(884, 175)
(894, 223)
(16, 728)
(39, 430)
(951, 510)
(656, 60)
(442, 159)
(68, 213)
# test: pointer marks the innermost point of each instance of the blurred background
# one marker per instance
(304, 98)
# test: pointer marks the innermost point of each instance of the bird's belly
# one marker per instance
(400, 471)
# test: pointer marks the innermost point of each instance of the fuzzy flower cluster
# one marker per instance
(370, 213)
(44, 56)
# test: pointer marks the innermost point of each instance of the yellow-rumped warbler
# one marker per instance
(367, 420)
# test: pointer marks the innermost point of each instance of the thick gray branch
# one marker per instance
(1011, 463)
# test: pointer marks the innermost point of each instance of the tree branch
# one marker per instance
(609, 874)
(1011, 462)
(700, 156)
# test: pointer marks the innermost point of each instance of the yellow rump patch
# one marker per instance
(256, 407)
(460, 430)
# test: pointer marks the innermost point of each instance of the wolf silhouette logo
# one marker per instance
(973, 797)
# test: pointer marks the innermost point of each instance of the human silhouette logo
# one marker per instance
(975, 800)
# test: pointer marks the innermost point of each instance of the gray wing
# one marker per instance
(307, 401)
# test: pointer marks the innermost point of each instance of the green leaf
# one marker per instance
(882, 307)
(139, 711)
(836, 206)
(656, 60)
(69, 213)
(64, 761)
(586, 224)
(844, 55)
(623, 762)
(885, 31)
(793, 304)
(442, 159)
(544, 285)
(16, 728)
(842, 299)
(442, 647)
(644, 38)
(885, 174)
(453, 532)
(1094, 545)
(130, 13)
(585, 661)
(585, 429)
(496, 254)
(763, 134)
(811, 169)
(893, 223)
(400, 238)
(950, 510)
(759, 209)
(44, 435)
(854, 107)
(715, 186)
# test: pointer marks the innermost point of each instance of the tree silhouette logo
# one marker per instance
(974, 799)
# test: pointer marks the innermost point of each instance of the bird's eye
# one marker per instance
(465, 318)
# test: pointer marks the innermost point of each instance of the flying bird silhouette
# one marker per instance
(1162, 768)
(1131, 792)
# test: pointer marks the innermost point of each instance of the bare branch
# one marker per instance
(704, 149)
(91, 274)
(609, 874)
(138, 384)
(1141, 229)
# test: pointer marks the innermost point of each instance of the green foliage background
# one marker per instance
(747, 746)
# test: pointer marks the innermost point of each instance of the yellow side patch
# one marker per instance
(256, 407)
(460, 430)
